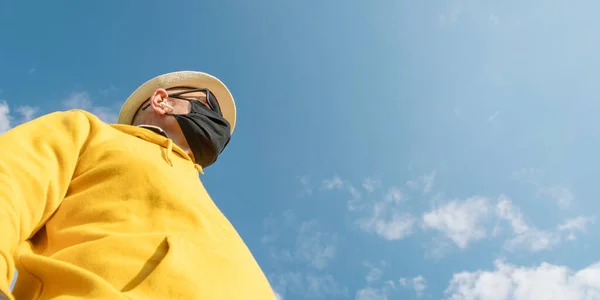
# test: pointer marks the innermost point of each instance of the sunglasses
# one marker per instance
(210, 99)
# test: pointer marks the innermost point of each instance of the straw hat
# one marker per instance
(183, 78)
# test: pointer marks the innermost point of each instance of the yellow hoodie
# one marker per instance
(97, 211)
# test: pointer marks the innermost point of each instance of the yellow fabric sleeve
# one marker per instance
(37, 161)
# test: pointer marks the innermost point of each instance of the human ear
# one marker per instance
(159, 103)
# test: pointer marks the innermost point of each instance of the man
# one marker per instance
(97, 211)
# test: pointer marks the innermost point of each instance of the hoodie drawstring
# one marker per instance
(169, 150)
(168, 157)
(199, 168)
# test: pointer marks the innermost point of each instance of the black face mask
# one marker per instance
(206, 132)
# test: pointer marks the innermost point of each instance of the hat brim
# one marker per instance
(190, 79)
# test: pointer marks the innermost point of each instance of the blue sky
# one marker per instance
(384, 150)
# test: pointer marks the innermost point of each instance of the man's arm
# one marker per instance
(37, 161)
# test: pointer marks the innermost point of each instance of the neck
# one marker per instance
(164, 133)
(154, 128)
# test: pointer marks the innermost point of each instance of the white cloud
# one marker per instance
(27, 112)
(4, 117)
(465, 221)
(507, 211)
(579, 223)
(460, 221)
(418, 283)
(508, 281)
(82, 100)
(424, 182)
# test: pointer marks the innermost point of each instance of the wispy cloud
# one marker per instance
(6, 119)
(311, 245)
(371, 184)
(322, 286)
(451, 16)
(376, 288)
(336, 183)
(292, 244)
(82, 100)
(306, 187)
(379, 289)
(525, 237)
(560, 194)
(571, 226)
(457, 112)
(111, 88)
(494, 19)
(310, 286)
(418, 284)
(395, 226)
(333, 183)
(386, 217)
(529, 175)
(563, 196)
(494, 116)
(424, 182)
(375, 272)
(508, 281)
(28, 112)
(370, 293)
(315, 246)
